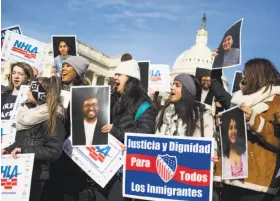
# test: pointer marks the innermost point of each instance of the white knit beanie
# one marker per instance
(129, 68)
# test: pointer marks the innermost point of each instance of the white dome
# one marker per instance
(198, 55)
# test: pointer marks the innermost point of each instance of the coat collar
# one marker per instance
(257, 100)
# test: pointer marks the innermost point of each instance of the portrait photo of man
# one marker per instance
(63, 47)
(89, 113)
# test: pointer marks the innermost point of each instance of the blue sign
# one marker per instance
(13, 28)
(172, 168)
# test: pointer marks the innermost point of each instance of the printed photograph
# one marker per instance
(144, 72)
(63, 47)
(234, 144)
(90, 111)
(228, 54)
(238, 82)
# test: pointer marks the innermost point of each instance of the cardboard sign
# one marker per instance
(100, 162)
(159, 79)
(20, 48)
(168, 168)
(16, 177)
(15, 29)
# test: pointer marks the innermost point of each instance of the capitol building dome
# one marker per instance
(199, 55)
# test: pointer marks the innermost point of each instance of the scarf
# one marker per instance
(30, 117)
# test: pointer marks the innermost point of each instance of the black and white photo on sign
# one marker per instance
(204, 77)
(90, 111)
(228, 54)
(234, 144)
(144, 72)
(238, 82)
(63, 47)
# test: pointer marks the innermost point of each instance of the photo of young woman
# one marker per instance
(234, 145)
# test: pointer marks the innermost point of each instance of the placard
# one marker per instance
(15, 29)
(159, 78)
(16, 177)
(20, 48)
(100, 162)
(168, 167)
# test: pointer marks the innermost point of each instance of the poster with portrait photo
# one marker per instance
(89, 111)
(63, 47)
(234, 144)
(144, 67)
(228, 54)
(237, 82)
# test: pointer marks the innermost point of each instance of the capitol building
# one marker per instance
(101, 66)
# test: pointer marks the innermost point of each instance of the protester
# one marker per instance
(259, 98)
(126, 57)
(40, 130)
(67, 180)
(131, 96)
(21, 74)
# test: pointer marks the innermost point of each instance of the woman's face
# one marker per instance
(176, 92)
(232, 131)
(120, 82)
(68, 73)
(227, 44)
(18, 77)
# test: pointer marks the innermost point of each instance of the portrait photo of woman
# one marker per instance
(234, 145)
(229, 52)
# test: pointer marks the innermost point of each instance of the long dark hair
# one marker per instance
(259, 73)
(133, 92)
(53, 87)
(240, 144)
(187, 109)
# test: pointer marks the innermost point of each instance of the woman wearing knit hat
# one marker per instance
(67, 179)
(131, 96)
(40, 130)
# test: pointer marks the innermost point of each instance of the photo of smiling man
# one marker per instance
(63, 47)
(229, 52)
(89, 113)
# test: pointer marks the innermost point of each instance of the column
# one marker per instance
(94, 79)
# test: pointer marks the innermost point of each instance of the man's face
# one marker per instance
(90, 108)
(63, 48)
(205, 82)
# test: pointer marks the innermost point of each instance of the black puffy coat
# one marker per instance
(46, 148)
(124, 122)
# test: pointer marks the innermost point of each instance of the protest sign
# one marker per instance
(237, 82)
(228, 54)
(100, 162)
(168, 167)
(159, 79)
(144, 72)
(20, 48)
(16, 177)
(15, 29)
(234, 144)
(8, 127)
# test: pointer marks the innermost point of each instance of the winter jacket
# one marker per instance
(263, 145)
(124, 122)
(45, 147)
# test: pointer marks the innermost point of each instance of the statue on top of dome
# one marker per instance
(203, 24)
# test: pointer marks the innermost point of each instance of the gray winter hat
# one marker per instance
(188, 82)
(79, 63)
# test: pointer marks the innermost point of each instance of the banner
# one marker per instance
(16, 177)
(168, 168)
(8, 127)
(100, 162)
(20, 48)
(159, 79)
(15, 29)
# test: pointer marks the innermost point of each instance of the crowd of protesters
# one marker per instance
(43, 125)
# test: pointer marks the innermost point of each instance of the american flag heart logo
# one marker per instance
(166, 167)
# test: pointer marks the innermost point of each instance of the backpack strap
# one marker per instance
(141, 110)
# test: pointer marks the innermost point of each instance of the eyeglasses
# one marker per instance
(87, 106)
